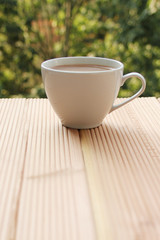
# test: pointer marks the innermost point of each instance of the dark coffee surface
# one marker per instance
(82, 67)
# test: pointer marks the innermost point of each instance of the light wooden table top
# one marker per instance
(64, 184)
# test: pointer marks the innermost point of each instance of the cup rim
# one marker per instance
(121, 66)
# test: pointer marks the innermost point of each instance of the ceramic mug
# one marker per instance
(82, 99)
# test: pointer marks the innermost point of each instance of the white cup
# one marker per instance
(82, 99)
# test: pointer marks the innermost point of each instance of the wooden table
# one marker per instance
(64, 184)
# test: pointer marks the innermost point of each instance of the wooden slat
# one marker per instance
(100, 209)
(54, 202)
(13, 142)
(122, 159)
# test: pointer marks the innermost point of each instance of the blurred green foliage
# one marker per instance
(32, 31)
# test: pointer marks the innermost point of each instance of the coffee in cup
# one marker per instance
(82, 67)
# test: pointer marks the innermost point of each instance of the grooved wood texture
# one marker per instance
(64, 184)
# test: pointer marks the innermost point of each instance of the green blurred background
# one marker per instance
(32, 31)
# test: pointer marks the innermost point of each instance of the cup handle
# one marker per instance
(124, 78)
